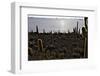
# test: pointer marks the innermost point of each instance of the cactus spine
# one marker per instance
(84, 34)
(40, 45)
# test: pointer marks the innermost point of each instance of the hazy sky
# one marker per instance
(54, 24)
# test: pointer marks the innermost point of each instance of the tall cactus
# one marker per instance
(40, 45)
(79, 31)
(84, 34)
(37, 31)
(77, 28)
(44, 31)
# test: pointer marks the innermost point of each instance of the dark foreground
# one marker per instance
(47, 46)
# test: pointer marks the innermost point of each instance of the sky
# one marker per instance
(54, 23)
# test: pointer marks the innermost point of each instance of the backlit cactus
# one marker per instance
(40, 45)
(37, 31)
(84, 34)
(44, 31)
(76, 29)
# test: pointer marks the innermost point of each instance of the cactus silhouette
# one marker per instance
(68, 31)
(77, 28)
(79, 31)
(44, 31)
(40, 45)
(84, 34)
(37, 29)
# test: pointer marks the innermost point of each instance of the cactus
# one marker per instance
(77, 28)
(68, 31)
(40, 45)
(74, 30)
(44, 31)
(84, 34)
(79, 31)
(37, 29)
